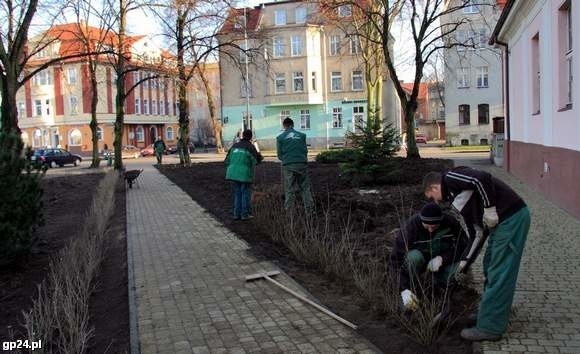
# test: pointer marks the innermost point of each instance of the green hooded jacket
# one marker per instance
(291, 147)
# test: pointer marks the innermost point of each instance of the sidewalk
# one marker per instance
(546, 317)
(187, 273)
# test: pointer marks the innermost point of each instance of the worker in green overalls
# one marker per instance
(431, 241)
(485, 202)
(292, 151)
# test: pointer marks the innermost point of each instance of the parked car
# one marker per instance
(148, 151)
(55, 157)
(171, 149)
(421, 138)
(130, 152)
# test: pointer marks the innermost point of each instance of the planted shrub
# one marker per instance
(20, 193)
(337, 156)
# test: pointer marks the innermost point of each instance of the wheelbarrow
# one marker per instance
(131, 176)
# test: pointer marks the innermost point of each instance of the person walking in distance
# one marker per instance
(485, 202)
(292, 151)
(159, 148)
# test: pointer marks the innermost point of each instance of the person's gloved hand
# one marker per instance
(434, 264)
(490, 218)
(410, 301)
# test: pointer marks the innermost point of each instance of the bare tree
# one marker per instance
(20, 57)
(97, 40)
(192, 26)
(428, 35)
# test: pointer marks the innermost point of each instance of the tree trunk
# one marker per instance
(217, 127)
(120, 98)
(379, 99)
(94, 124)
(182, 89)
(9, 110)
(409, 112)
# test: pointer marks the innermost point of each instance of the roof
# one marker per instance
(507, 7)
(423, 87)
(252, 20)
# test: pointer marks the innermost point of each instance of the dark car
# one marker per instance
(55, 157)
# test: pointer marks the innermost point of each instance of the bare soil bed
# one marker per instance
(66, 201)
(373, 215)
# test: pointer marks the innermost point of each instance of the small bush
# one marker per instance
(20, 193)
(337, 156)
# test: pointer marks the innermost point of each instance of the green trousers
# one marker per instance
(501, 264)
(417, 264)
(296, 180)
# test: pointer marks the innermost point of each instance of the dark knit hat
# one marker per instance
(431, 214)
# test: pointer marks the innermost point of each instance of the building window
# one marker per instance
(37, 108)
(358, 117)
(246, 87)
(73, 105)
(462, 77)
(335, 81)
(300, 15)
(36, 138)
(280, 17)
(304, 119)
(298, 81)
(161, 108)
(71, 74)
(471, 7)
(344, 10)
(482, 38)
(296, 44)
(169, 133)
(483, 113)
(47, 107)
(42, 78)
(314, 81)
(536, 74)
(566, 62)
(99, 134)
(145, 77)
(75, 138)
(137, 106)
(139, 134)
(240, 22)
(464, 114)
(460, 39)
(335, 45)
(21, 109)
(280, 83)
(279, 47)
(357, 80)
(283, 115)
(243, 53)
(337, 117)
(145, 106)
(136, 77)
(482, 76)
(355, 46)
(154, 107)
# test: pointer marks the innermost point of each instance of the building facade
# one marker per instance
(539, 40)
(302, 68)
(54, 107)
(472, 74)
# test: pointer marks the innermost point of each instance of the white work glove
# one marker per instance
(490, 218)
(434, 264)
(410, 301)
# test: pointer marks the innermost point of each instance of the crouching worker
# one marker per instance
(431, 241)
(240, 162)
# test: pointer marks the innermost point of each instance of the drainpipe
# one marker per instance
(325, 85)
(506, 103)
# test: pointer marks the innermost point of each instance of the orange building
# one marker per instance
(54, 107)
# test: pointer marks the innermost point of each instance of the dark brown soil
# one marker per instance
(66, 201)
(373, 215)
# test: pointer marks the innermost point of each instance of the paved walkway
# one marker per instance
(190, 293)
(546, 316)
